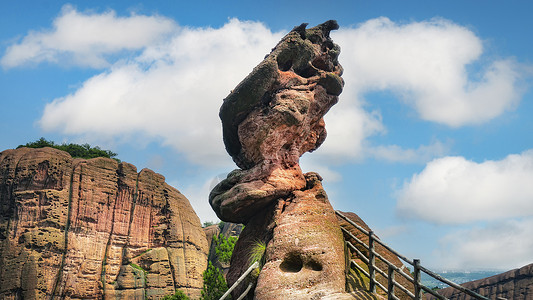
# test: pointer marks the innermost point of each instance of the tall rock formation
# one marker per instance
(271, 118)
(88, 229)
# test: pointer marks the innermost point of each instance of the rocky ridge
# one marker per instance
(515, 284)
(87, 229)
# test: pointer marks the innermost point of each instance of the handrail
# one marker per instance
(253, 266)
(370, 261)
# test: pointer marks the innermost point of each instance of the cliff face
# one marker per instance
(515, 284)
(95, 228)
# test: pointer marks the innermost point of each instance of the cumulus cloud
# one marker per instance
(453, 190)
(170, 88)
(422, 154)
(86, 38)
(171, 92)
(426, 63)
(501, 245)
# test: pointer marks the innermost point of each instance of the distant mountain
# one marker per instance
(516, 284)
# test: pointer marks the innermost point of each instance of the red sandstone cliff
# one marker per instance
(76, 228)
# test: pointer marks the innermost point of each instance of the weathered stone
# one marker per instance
(95, 228)
(515, 284)
(273, 117)
(305, 258)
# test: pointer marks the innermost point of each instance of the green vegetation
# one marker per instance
(207, 224)
(75, 150)
(137, 267)
(221, 225)
(224, 247)
(257, 253)
(214, 284)
(179, 295)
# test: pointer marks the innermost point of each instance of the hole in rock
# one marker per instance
(315, 266)
(284, 64)
(328, 45)
(292, 263)
(307, 72)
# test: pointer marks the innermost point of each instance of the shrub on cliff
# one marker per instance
(179, 295)
(214, 284)
(75, 150)
(224, 247)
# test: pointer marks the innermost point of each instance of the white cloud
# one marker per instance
(171, 92)
(86, 38)
(392, 231)
(308, 164)
(455, 190)
(501, 245)
(348, 125)
(422, 154)
(425, 63)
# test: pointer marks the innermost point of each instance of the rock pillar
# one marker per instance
(269, 120)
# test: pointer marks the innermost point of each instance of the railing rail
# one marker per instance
(243, 276)
(389, 274)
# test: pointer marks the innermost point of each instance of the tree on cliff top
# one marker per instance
(75, 150)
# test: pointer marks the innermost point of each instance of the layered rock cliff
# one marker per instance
(515, 284)
(87, 229)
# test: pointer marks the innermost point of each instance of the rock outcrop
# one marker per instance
(87, 229)
(271, 118)
(516, 284)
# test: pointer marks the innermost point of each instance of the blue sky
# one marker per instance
(431, 142)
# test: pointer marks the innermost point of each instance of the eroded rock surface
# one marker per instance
(88, 229)
(271, 118)
(305, 257)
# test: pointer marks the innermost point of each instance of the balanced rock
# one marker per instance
(93, 229)
(274, 116)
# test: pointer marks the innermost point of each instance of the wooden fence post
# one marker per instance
(372, 262)
(417, 279)
(390, 288)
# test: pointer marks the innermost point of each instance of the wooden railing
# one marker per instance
(392, 270)
(373, 269)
